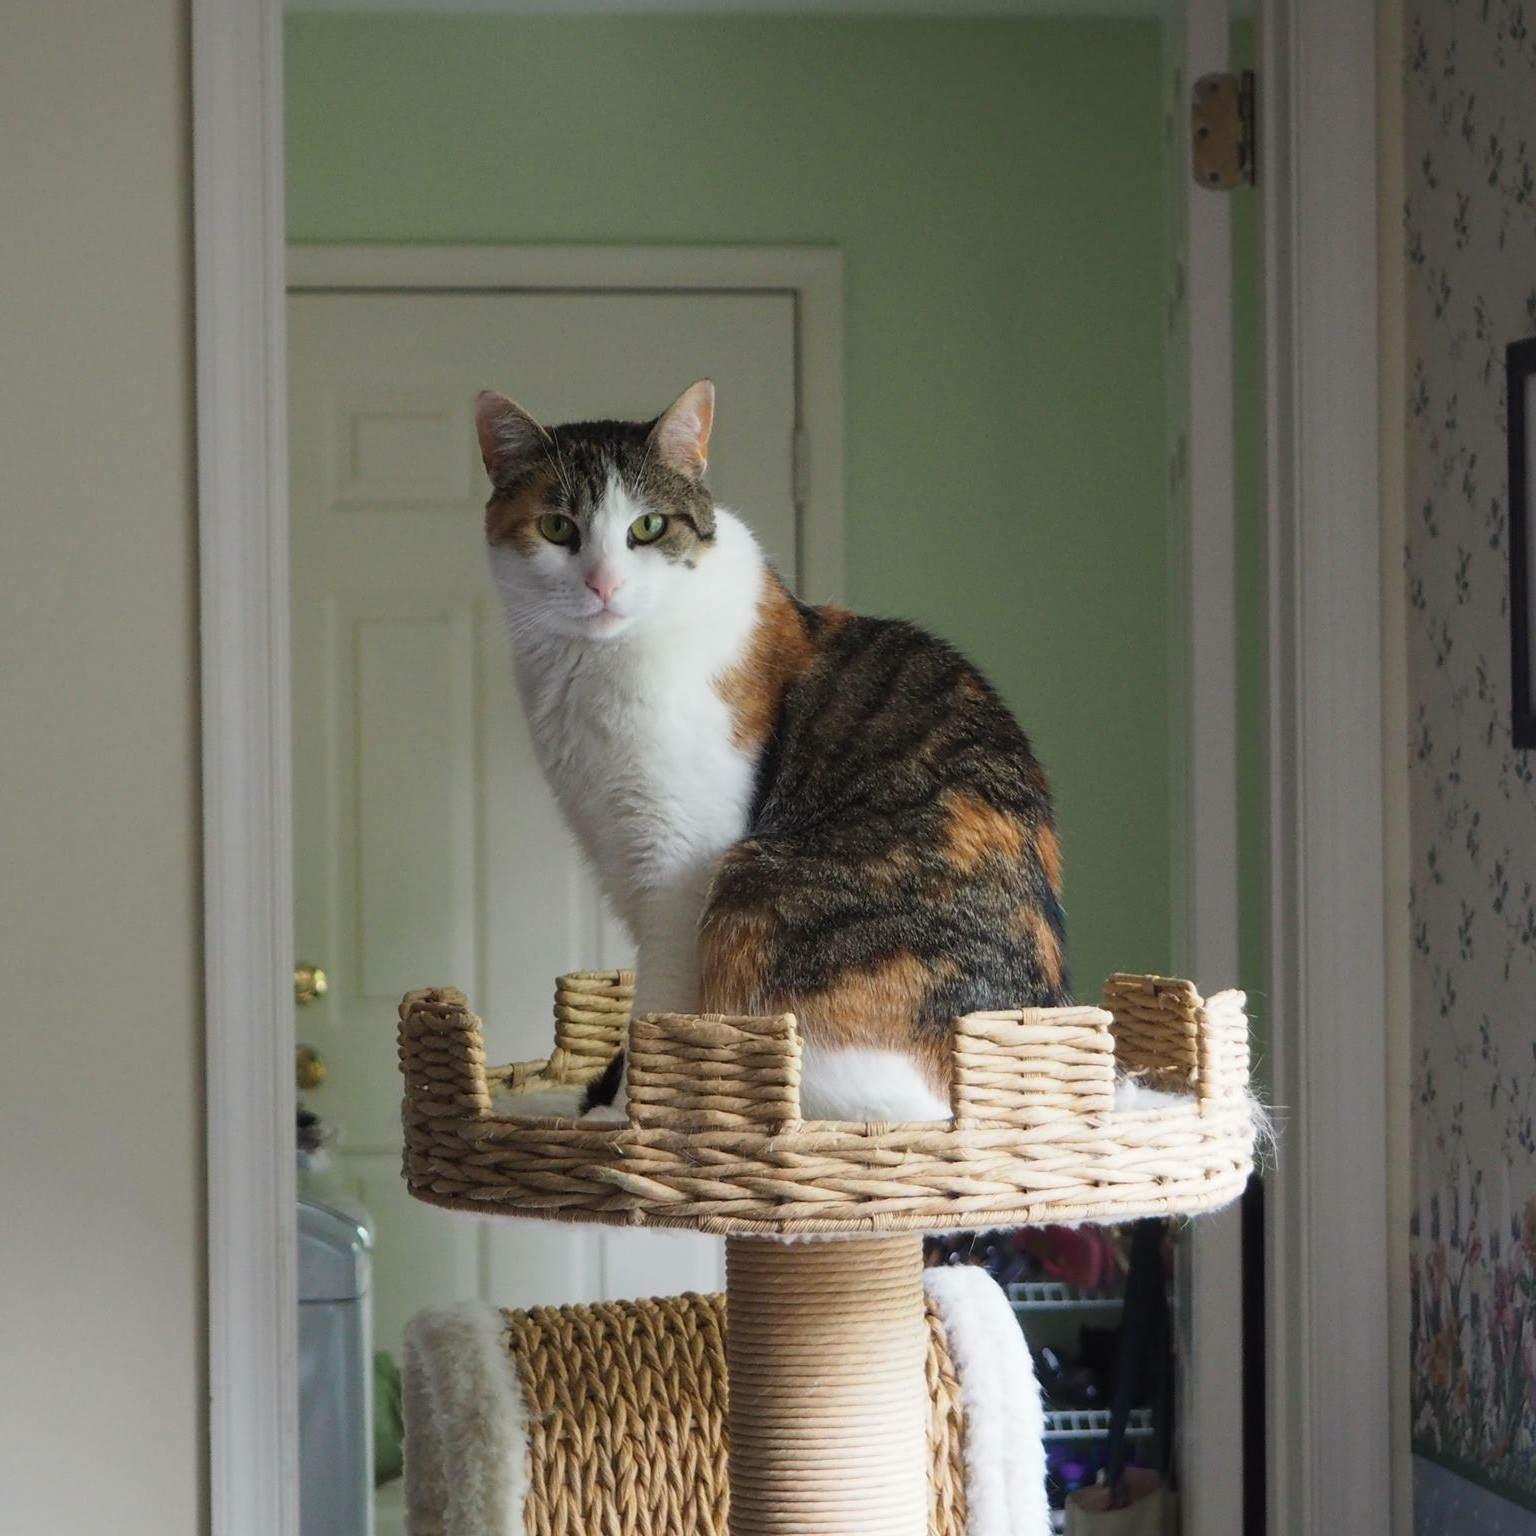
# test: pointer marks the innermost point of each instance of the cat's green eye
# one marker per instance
(557, 528)
(648, 528)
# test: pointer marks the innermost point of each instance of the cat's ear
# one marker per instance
(509, 436)
(681, 433)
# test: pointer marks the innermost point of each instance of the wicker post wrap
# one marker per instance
(627, 1426)
(827, 1414)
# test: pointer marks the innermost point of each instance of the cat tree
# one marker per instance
(826, 1342)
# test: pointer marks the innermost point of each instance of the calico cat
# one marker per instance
(793, 809)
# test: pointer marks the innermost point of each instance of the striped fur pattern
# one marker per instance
(794, 809)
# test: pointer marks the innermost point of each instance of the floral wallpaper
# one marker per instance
(1470, 230)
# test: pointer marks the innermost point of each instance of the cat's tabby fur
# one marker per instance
(796, 809)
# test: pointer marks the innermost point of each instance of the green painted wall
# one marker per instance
(995, 187)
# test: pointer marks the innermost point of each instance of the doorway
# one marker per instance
(1008, 358)
(919, 576)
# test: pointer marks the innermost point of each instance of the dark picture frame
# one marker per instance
(1520, 389)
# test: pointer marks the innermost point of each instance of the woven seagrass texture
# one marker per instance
(591, 1021)
(718, 1074)
(716, 1142)
(628, 1434)
(1172, 1038)
(591, 1016)
(626, 1417)
(1032, 1067)
(946, 1432)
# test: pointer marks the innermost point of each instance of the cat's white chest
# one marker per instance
(639, 752)
(636, 742)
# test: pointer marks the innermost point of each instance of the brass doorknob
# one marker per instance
(309, 984)
(310, 1070)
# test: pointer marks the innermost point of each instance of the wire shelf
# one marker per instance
(1058, 1296)
(1093, 1423)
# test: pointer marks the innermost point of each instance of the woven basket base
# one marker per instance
(628, 1419)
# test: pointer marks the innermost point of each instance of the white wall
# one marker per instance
(102, 1372)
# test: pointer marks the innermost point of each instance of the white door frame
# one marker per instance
(1328, 1344)
(1330, 1441)
(243, 271)
(1204, 820)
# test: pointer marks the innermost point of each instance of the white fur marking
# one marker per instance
(866, 1085)
(1004, 1425)
(634, 737)
(1132, 1094)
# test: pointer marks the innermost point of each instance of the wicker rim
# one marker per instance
(716, 1143)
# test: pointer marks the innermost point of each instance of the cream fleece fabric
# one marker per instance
(466, 1432)
(1004, 1424)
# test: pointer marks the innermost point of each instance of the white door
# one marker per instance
(428, 850)
(1202, 489)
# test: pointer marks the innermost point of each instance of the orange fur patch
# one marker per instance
(511, 519)
(733, 954)
(875, 1009)
(1048, 850)
(780, 650)
(973, 830)
(1033, 926)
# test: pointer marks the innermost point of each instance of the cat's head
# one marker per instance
(595, 528)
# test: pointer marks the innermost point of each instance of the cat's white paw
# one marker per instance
(867, 1086)
(616, 1113)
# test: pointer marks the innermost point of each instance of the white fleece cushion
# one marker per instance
(466, 1442)
(1004, 1424)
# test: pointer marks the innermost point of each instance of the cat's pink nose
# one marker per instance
(604, 582)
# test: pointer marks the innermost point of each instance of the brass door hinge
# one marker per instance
(1223, 136)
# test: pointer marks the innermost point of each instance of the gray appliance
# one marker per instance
(335, 1369)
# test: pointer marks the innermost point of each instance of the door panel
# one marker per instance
(429, 850)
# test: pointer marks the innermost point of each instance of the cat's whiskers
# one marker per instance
(561, 471)
(642, 475)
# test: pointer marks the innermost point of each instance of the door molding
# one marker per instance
(1204, 817)
(242, 473)
(1329, 1280)
(811, 275)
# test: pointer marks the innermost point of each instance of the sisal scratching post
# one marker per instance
(826, 1346)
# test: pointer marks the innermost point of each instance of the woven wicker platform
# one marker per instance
(715, 1142)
